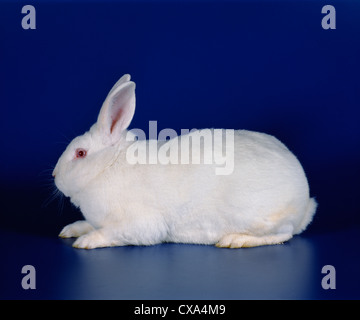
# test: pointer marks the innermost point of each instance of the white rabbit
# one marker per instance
(264, 201)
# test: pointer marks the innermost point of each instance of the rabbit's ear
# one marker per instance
(123, 79)
(117, 111)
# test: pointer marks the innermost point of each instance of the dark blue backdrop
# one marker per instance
(264, 66)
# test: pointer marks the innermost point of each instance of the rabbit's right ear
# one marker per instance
(117, 110)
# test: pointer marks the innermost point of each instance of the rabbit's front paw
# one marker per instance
(92, 240)
(76, 229)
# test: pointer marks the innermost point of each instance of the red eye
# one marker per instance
(80, 153)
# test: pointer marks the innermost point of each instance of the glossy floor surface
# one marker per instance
(176, 271)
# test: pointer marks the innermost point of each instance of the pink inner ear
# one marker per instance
(115, 118)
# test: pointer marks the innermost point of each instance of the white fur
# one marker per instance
(264, 201)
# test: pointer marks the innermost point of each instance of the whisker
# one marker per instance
(49, 185)
(51, 198)
(46, 173)
(61, 203)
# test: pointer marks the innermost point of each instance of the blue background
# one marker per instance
(266, 66)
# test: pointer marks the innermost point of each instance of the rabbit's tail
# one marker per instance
(308, 216)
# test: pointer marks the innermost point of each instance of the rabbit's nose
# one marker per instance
(54, 173)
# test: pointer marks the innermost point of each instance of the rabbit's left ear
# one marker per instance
(125, 78)
(117, 111)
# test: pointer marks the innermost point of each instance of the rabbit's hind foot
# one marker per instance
(237, 240)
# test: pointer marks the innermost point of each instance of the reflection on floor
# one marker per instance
(177, 271)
